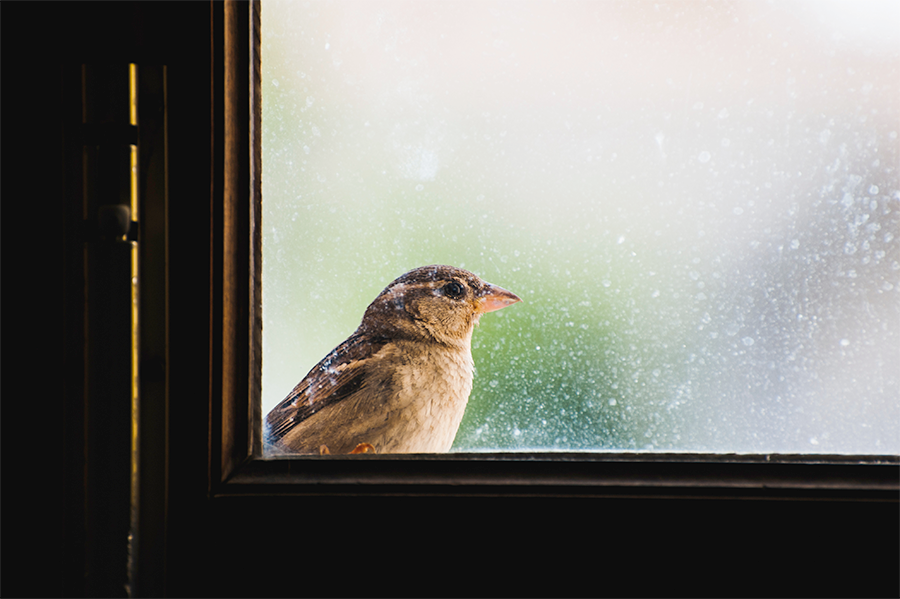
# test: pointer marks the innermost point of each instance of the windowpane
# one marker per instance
(699, 204)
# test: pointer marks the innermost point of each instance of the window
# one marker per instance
(698, 203)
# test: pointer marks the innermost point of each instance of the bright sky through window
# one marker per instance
(698, 202)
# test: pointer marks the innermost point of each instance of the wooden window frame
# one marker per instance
(237, 466)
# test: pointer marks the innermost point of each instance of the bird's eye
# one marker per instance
(454, 290)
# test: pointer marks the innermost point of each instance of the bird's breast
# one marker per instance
(430, 386)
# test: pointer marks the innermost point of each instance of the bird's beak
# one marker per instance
(493, 298)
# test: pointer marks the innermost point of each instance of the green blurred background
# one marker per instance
(699, 204)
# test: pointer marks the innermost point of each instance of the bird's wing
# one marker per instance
(336, 377)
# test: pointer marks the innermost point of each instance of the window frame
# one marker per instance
(237, 466)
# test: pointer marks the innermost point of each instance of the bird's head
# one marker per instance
(434, 303)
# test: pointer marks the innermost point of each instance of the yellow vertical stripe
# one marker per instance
(132, 95)
(135, 297)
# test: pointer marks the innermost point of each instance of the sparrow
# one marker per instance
(401, 381)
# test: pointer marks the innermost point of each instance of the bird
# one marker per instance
(400, 383)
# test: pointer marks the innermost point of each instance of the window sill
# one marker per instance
(662, 475)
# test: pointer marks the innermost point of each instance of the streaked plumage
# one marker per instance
(401, 381)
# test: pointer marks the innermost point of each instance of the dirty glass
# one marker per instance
(697, 201)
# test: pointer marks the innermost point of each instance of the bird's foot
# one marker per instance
(363, 448)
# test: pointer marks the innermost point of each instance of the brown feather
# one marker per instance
(329, 381)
